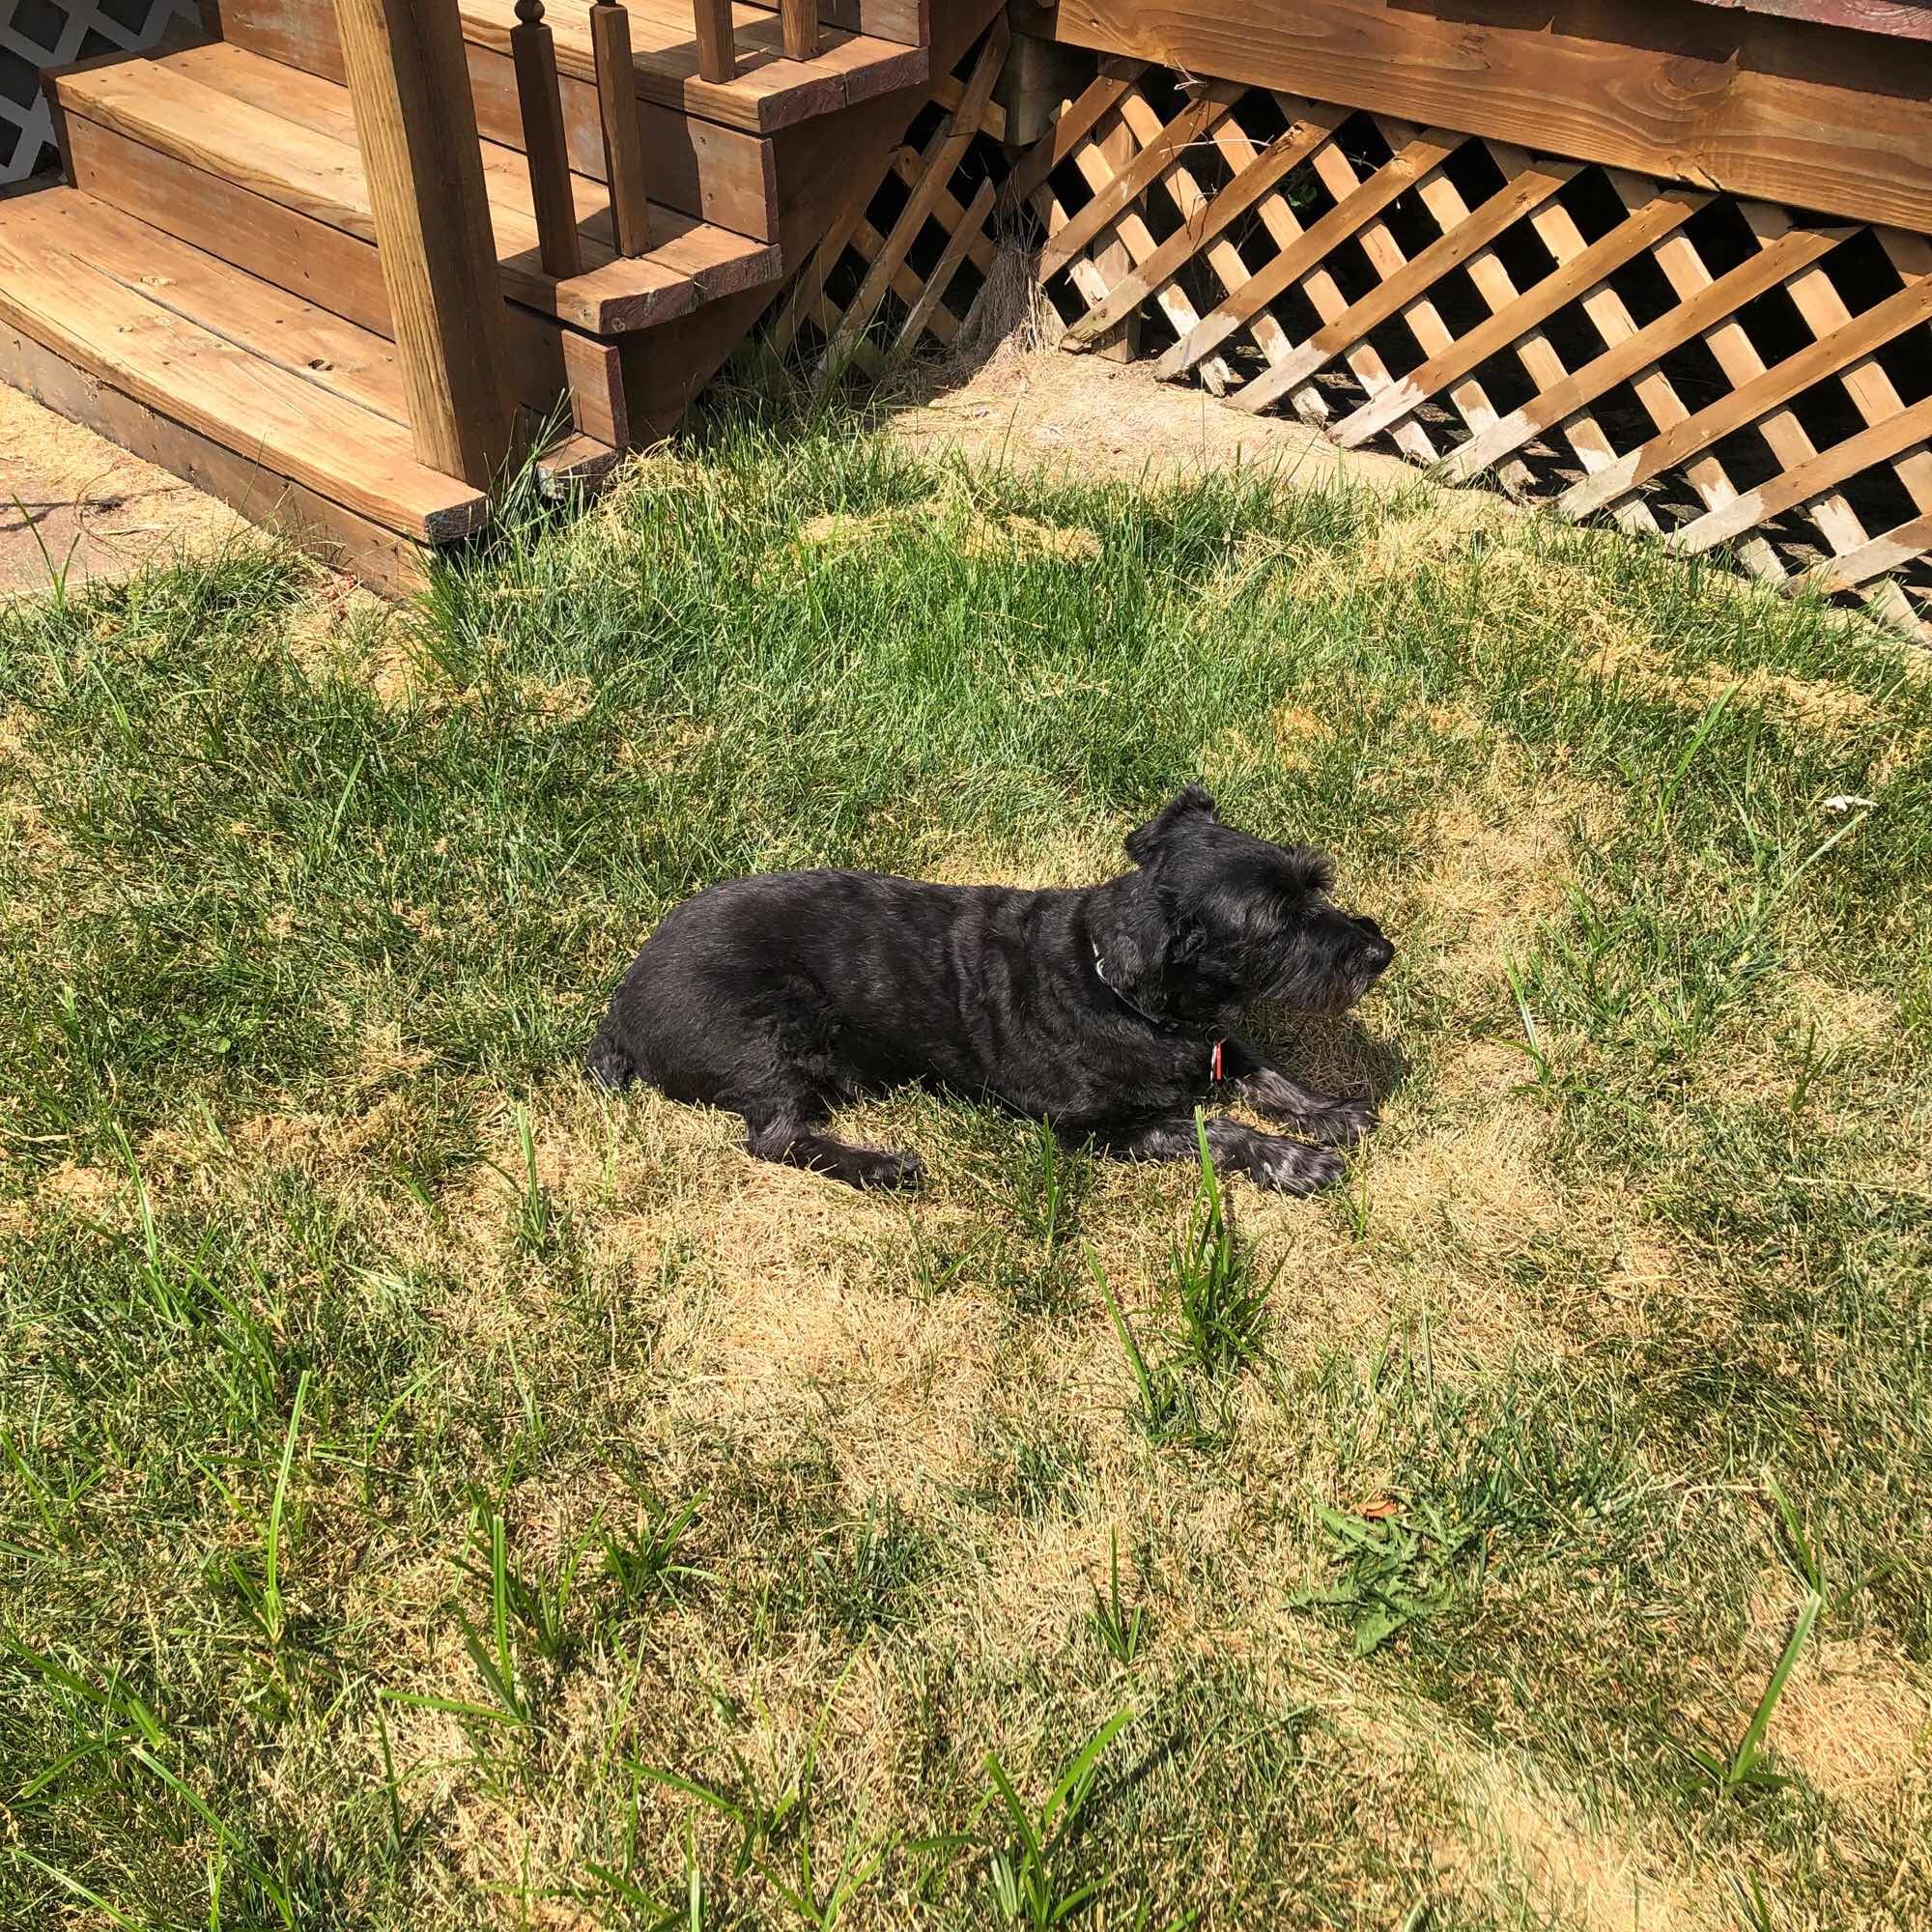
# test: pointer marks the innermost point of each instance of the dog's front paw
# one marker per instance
(1289, 1168)
(897, 1171)
(1343, 1122)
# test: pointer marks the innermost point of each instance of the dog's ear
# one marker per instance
(1192, 805)
(1153, 937)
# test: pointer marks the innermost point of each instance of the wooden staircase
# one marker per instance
(210, 287)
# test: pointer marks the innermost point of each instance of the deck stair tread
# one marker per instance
(768, 91)
(289, 137)
(313, 398)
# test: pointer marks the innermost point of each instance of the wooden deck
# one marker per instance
(214, 289)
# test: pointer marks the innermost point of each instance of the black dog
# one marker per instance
(1109, 1011)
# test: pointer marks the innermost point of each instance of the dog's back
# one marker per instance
(855, 979)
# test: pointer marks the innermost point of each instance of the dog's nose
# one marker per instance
(1379, 951)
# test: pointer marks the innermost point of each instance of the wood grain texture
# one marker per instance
(907, 23)
(1574, 281)
(533, 55)
(718, 173)
(1786, 111)
(1709, 307)
(799, 22)
(1800, 485)
(1402, 172)
(1135, 174)
(1255, 180)
(1905, 20)
(376, 557)
(1474, 231)
(410, 86)
(623, 141)
(86, 282)
(280, 134)
(1893, 550)
(944, 150)
(763, 91)
(717, 54)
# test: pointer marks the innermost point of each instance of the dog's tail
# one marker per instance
(608, 1063)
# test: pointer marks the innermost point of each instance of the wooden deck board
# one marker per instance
(722, 174)
(118, 302)
(280, 134)
(1716, 97)
(331, 268)
(769, 92)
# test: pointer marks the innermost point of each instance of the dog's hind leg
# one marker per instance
(1285, 1165)
(788, 1137)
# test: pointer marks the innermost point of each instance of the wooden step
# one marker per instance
(288, 139)
(722, 174)
(238, 385)
(909, 22)
(769, 92)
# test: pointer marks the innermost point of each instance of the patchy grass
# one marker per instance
(437, 1495)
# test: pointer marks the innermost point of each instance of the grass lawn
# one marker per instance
(434, 1495)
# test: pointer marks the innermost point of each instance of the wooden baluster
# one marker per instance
(800, 28)
(716, 58)
(623, 137)
(534, 53)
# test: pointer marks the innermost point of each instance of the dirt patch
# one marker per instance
(1045, 409)
(89, 1191)
(1812, 704)
(1483, 1179)
(1847, 1018)
(1501, 866)
(1529, 1842)
(100, 513)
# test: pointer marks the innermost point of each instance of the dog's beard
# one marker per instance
(1325, 992)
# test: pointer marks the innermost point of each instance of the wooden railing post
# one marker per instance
(533, 51)
(716, 56)
(800, 18)
(623, 135)
(409, 82)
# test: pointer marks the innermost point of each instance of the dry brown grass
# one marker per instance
(1521, 1841)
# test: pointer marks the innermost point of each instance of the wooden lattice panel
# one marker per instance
(1715, 370)
(911, 250)
(40, 34)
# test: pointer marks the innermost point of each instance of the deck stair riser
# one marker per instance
(333, 269)
(289, 139)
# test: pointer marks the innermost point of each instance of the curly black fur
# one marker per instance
(1099, 1009)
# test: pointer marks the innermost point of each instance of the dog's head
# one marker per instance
(1219, 919)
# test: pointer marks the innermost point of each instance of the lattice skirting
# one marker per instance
(906, 260)
(1720, 372)
(36, 34)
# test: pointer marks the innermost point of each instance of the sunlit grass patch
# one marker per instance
(433, 1493)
